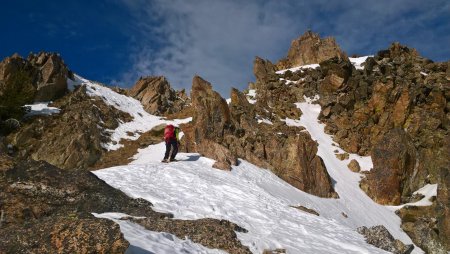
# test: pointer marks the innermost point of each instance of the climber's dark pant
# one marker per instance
(171, 145)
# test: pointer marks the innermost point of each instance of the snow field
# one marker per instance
(252, 197)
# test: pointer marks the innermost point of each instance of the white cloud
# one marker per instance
(218, 40)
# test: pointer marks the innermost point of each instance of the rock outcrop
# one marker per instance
(45, 72)
(429, 233)
(380, 237)
(74, 137)
(157, 97)
(211, 122)
(225, 133)
(310, 49)
(213, 119)
(64, 235)
(272, 96)
(394, 162)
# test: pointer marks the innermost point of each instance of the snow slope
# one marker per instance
(259, 201)
(250, 196)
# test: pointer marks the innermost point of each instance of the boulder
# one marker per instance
(354, 166)
(380, 237)
(394, 161)
(424, 228)
(306, 209)
(294, 159)
(342, 156)
(310, 49)
(336, 71)
(224, 158)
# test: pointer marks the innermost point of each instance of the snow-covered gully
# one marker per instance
(253, 198)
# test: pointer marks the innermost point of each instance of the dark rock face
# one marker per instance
(380, 237)
(157, 97)
(72, 138)
(46, 71)
(32, 191)
(394, 160)
(64, 235)
(310, 49)
(429, 233)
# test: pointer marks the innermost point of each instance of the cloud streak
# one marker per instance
(218, 40)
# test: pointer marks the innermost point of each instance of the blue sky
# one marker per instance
(117, 41)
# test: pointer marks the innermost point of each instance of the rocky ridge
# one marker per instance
(310, 49)
(394, 109)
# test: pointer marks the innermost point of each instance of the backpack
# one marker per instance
(177, 133)
(169, 132)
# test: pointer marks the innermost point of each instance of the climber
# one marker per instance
(172, 139)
